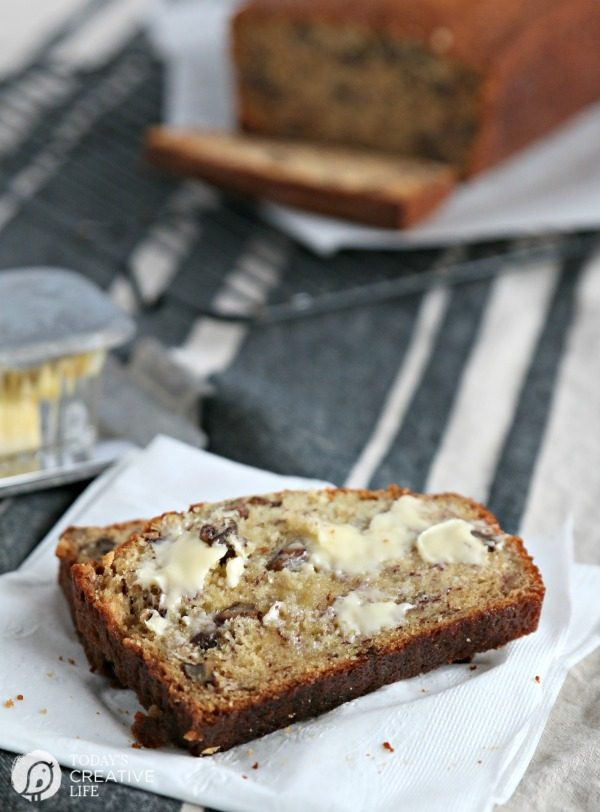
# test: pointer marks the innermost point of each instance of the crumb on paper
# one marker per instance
(245, 777)
(479, 761)
(250, 751)
(61, 658)
(537, 678)
(136, 746)
(255, 765)
(472, 667)
(71, 661)
(43, 711)
(9, 703)
(209, 751)
(50, 674)
(387, 746)
(20, 697)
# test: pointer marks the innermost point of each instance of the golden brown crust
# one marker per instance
(74, 541)
(523, 99)
(174, 716)
(538, 59)
(390, 206)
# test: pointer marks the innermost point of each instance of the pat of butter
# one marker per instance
(180, 567)
(233, 570)
(408, 510)
(389, 536)
(451, 542)
(354, 615)
(156, 623)
(20, 427)
(273, 616)
(340, 547)
(25, 393)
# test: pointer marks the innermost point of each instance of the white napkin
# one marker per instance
(461, 737)
(552, 186)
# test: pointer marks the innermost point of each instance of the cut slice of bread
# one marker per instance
(83, 544)
(369, 187)
(236, 618)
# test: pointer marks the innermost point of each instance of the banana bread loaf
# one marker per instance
(373, 188)
(466, 82)
(234, 619)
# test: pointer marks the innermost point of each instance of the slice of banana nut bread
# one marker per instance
(83, 544)
(236, 618)
(381, 190)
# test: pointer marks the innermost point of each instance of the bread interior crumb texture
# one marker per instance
(268, 590)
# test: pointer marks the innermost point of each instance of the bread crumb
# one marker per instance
(245, 777)
(61, 658)
(537, 678)
(387, 746)
(50, 674)
(479, 761)
(71, 661)
(20, 697)
(255, 765)
(9, 703)
(472, 667)
(208, 751)
(136, 746)
(43, 711)
(250, 751)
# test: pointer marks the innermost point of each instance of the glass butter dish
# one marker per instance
(55, 330)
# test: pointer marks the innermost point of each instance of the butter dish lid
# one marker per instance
(49, 313)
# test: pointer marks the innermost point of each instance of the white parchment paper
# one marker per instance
(462, 737)
(554, 185)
